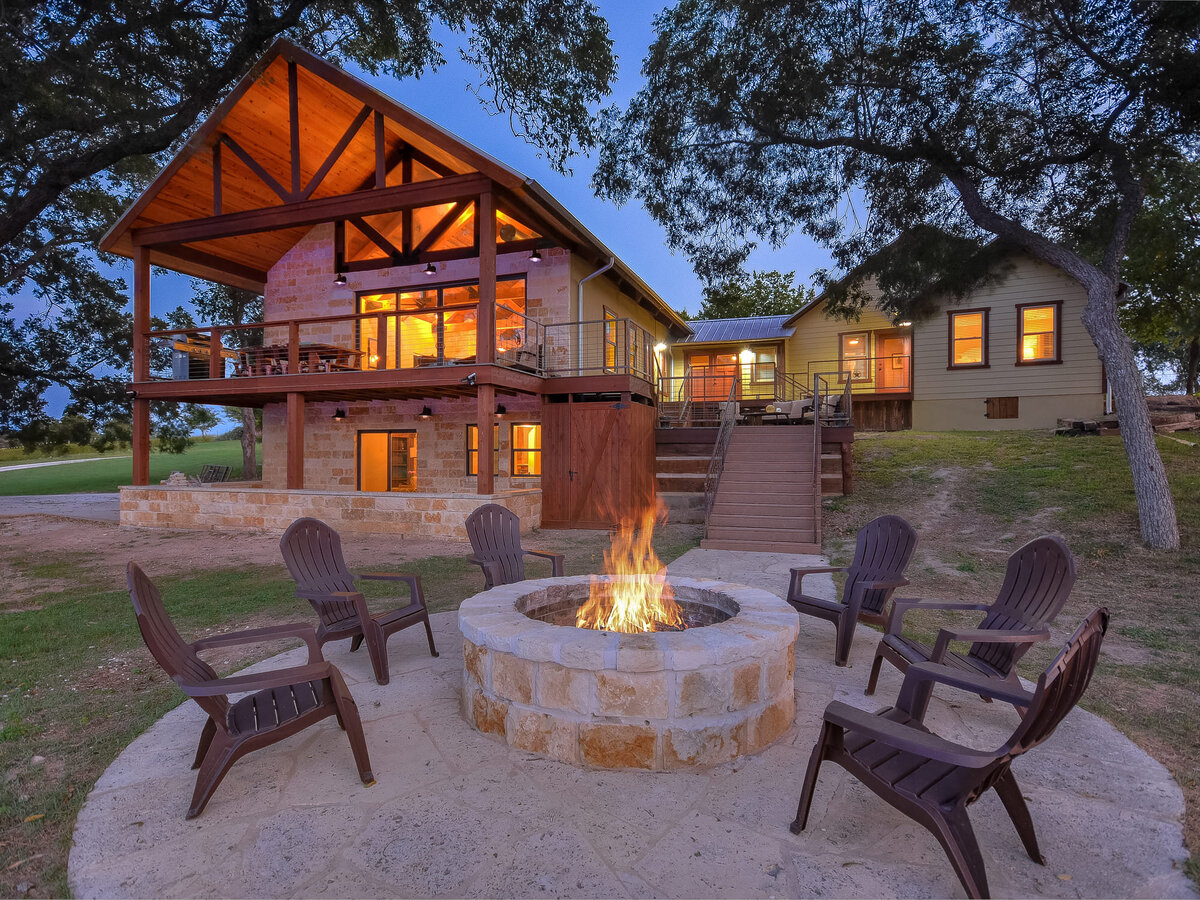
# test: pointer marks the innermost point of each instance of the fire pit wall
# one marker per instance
(661, 701)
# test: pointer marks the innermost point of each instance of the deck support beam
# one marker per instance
(295, 442)
(485, 323)
(141, 364)
(141, 442)
(485, 412)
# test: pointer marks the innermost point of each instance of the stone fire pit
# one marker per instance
(662, 701)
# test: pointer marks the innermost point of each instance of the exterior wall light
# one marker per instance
(906, 324)
(500, 410)
(339, 414)
(535, 256)
(339, 278)
(430, 269)
(660, 347)
(425, 413)
(747, 356)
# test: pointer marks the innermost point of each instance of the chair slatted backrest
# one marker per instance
(312, 552)
(1061, 685)
(884, 547)
(1037, 583)
(169, 650)
(495, 533)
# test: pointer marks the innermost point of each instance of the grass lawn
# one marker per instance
(974, 498)
(106, 475)
(77, 684)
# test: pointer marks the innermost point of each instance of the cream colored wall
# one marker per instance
(813, 346)
(601, 292)
(954, 399)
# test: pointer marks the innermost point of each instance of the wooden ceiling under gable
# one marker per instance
(296, 130)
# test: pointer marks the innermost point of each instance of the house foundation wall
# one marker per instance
(1032, 412)
(245, 508)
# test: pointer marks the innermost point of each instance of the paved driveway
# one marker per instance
(96, 507)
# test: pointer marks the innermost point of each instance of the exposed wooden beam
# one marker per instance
(485, 323)
(257, 169)
(378, 239)
(192, 254)
(295, 441)
(313, 212)
(380, 152)
(294, 124)
(141, 441)
(441, 227)
(430, 163)
(216, 165)
(336, 153)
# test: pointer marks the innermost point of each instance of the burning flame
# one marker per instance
(638, 599)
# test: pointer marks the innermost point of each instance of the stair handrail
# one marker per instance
(817, 402)
(716, 464)
(685, 388)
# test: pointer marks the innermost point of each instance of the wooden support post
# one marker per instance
(141, 441)
(216, 362)
(295, 442)
(485, 324)
(141, 313)
(485, 417)
(293, 348)
(381, 344)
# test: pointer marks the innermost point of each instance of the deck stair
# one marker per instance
(683, 456)
(764, 500)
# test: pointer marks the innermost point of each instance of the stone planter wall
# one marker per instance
(659, 701)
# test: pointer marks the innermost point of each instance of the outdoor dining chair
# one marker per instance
(881, 553)
(281, 702)
(495, 533)
(313, 554)
(932, 780)
(1037, 582)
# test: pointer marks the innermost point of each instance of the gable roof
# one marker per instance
(249, 139)
(750, 328)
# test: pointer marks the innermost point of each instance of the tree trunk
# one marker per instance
(1193, 364)
(1156, 507)
(249, 439)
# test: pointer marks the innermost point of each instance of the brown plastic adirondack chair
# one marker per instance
(495, 533)
(284, 701)
(884, 547)
(313, 554)
(1037, 583)
(933, 780)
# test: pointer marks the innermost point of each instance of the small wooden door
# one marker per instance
(893, 361)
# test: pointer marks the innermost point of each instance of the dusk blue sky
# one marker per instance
(445, 98)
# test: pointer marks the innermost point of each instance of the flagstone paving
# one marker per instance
(457, 814)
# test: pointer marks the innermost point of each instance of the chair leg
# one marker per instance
(953, 830)
(377, 650)
(206, 736)
(347, 713)
(810, 781)
(356, 642)
(875, 667)
(429, 634)
(222, 754)
(1010, 795)
(845, 637)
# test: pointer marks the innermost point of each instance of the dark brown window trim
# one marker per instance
(868, 334)
(1057, 361)
(472, 471)
(358, 473)
(986, 338)
(513, 451)
(607, 316)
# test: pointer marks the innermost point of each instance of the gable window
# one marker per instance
(526, 450)
(1039, 336)
(968, 339)
(473, 450)
(855, 353)
(387, 461)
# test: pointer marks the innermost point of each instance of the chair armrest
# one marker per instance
(240, 684)
(902, 605)
(984, 636)
(905, 738)
(855, 600)
(492, 569)
(555, 558)
(796, 586)
(920, 678)
(301, 630)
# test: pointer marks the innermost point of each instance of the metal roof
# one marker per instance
(751, 328)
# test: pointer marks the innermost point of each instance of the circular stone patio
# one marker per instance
(456, 814)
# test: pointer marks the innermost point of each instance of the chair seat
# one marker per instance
(817, 604)
(917, 652)
(397, 615)
(908, 774)
(265, 710)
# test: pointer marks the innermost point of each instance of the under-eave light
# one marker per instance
(747, 356)
(430, 269)
(535, 256)
(425, 413)
(660, 347)
(339, 414)
(339, 278)
(500, 410)
(906, 324)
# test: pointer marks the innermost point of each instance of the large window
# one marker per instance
(526, 450)
(387, 461)
(433, 326)
(968, 341)
(610, 339)
(473, 449)
(855, 355)
(1038, 334)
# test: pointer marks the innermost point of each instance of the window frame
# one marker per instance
(1057, 358)
(609, 318)
(985, 338)
(358, 469)
(473, 471)
(756, 366)
(868, 337)
(513, 451)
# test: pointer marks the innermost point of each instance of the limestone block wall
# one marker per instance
(243, 508)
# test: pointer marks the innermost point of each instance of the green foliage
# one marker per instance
(761, 294)
(202, 419)
(96, 97)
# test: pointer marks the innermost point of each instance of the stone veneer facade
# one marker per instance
(244, 507)
(659, 701)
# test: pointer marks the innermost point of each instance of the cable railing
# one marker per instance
(600, 347)
(870, 374)
(716, 463)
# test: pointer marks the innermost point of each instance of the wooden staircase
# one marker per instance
(764, 500)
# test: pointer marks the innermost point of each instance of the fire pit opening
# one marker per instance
(561, 605)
